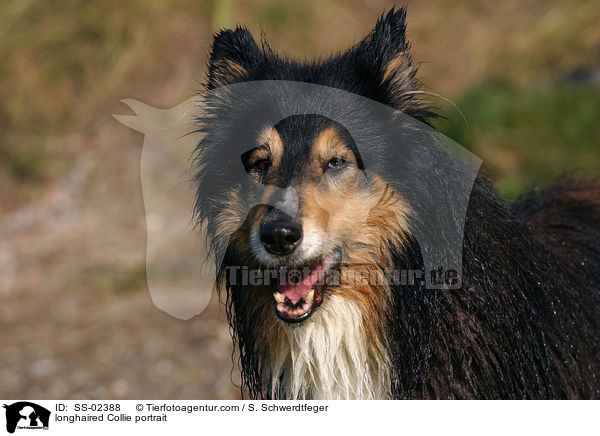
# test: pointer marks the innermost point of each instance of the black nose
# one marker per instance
(281, 236)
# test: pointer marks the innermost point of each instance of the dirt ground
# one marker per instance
(77, 318)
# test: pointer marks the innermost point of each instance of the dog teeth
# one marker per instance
(310, 296)
(279, 297)
(284, 306)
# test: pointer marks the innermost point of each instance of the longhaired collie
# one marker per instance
(525, 320)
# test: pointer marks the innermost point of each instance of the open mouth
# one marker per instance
(300, 291)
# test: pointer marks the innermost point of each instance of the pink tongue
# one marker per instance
(296, 291)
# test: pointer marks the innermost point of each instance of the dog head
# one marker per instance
(318, 214)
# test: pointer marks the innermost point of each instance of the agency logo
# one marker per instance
(26, 415)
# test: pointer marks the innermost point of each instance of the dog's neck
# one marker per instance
(328, 356)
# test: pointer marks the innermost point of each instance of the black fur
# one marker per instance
(526, 322)
(360, 70)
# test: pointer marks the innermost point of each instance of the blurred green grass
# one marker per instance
(529, 136)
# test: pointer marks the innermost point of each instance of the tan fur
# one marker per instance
(235, 69)
(393, 68)
(230, 218)
(587, 193)
(271, 142)
(327, 146)
(326, 357)
(341, 350)
(355, 364)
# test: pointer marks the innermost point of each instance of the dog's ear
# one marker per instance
(233, 54)
(386, 52)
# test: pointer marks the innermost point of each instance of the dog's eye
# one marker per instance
(261, 165)
(336, 162)
(258, 166)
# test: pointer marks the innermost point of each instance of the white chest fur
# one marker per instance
(328, 357)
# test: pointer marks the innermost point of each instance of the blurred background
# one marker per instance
(75, 313)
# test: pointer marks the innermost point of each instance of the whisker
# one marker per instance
(447, 100)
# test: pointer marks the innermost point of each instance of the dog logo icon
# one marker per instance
(26, 415)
